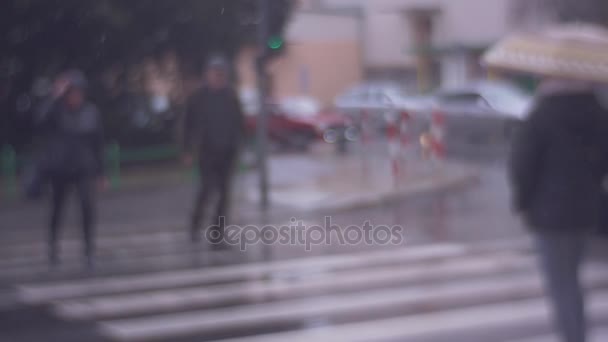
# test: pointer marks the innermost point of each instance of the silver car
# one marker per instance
(485, 98)
(482, 115)
(383, 101)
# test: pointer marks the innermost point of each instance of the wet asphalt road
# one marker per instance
(474, 213)
(477, 213)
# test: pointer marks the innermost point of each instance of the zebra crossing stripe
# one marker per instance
(131, 244)
(38, 293)
(390, 276)
(187, 256)
(109, 238)
(408, 300)
(72, 231)
(30, 251)
(172, 249)
(599, 334)
(445, 323)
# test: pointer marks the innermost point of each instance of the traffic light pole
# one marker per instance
(262, 120)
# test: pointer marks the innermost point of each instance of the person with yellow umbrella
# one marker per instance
(559, 157)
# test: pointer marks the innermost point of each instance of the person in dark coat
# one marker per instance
(72, 156)
(557, 167)
(213, 131)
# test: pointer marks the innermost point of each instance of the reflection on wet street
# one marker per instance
(464, 267)
(303, 170)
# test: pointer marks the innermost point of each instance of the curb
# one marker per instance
(423, 187)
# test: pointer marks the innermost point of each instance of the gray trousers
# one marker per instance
(85, 189)
(216, 171)
(561, 256)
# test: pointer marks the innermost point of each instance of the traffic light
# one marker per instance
(275, 46)
(275, 42)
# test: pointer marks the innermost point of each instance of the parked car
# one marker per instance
(482, 115)
(485, 98)
(369, 96)
(383, 101)
(297, 122)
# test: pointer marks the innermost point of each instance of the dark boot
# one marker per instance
(89, 251)
(200, 204)
(86, 190)
(58, 200)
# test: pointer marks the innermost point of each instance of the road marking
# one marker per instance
(72, 247)
(445, 323)
(188, 256)
(197, 298)
(597, 335)
(408, 299)
(39, 293)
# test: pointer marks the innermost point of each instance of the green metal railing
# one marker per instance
(149, 153)
(115, 158)
(113, 164)
(114, 154)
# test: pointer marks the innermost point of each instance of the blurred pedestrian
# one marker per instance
(557, 166)
(72, 156)
(213, 131)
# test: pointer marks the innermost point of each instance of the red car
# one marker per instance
(296, 123)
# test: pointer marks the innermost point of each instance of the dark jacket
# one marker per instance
(72, 140)
(214, 123)
(558, 162)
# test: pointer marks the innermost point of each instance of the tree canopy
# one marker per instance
(42, 37)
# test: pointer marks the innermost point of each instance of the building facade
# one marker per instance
(322, 56)
(423, 44)
(437, 42)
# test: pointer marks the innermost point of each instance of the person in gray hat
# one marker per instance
(72, 157)
(213, 131)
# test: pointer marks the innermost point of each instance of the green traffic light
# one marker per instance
(275, 43)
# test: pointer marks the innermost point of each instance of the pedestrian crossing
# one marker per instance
(596, 335)
(131, 251)
(486, 292)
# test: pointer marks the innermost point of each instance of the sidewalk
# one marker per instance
(354, 181)
(300, 185)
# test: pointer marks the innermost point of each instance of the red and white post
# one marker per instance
(404, 136)
(394, 146)
(365, 129)
(365, 141)
(438, 137)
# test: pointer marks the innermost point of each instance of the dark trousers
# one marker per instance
(85, 189)
(561, 256)
(215, 180)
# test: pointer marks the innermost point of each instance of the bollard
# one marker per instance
(365, 128)
(438, 136)
(113, 155)
(392, 133)
(404, 138)
(404, 130)
(9, 170)
(365, 140)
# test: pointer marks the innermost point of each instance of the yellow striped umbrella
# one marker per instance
(573, 51)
